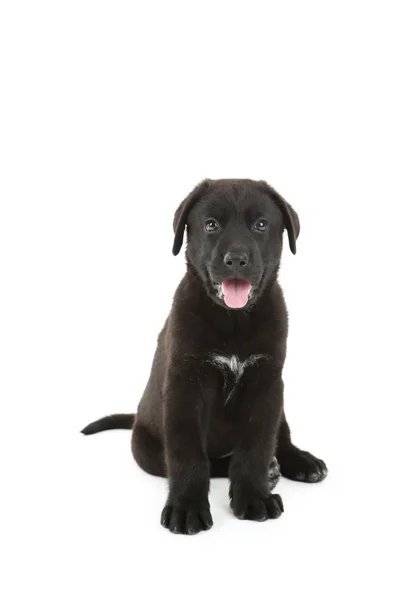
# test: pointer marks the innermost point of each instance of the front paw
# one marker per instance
(185, 517)
(254, 506)
(300, 465)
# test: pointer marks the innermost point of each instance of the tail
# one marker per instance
(122, 421)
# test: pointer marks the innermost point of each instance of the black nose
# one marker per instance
(236, 260)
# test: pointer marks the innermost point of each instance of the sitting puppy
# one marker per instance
(213, 406)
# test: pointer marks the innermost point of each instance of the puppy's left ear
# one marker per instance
(182, 212)
(290, 216)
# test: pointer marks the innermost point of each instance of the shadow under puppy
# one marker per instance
(213, 406)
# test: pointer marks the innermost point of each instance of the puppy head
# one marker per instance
(234, 231)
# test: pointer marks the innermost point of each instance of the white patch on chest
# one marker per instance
(234, 365)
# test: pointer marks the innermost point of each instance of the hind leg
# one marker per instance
(297, 464)
(148, 450)
(219, 467)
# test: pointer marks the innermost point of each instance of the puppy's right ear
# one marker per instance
(182, 212)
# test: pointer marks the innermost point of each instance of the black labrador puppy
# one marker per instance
(213, 406)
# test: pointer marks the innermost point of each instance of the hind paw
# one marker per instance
(300, 465)
(274, 474)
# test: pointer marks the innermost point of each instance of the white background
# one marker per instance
(110, 113)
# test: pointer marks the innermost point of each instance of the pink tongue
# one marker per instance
(236, 292)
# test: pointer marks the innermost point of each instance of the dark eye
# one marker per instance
(211, 225)
(261, 225)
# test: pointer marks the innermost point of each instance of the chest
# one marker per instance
(233, 369)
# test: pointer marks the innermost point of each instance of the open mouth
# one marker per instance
(235, 292)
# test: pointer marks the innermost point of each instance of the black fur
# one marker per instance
(120, 421)
(213, 406)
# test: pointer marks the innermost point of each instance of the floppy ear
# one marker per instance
(181, 214)
(290, 216)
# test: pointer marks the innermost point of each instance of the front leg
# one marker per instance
(187, 509)
(260, 401)
(297, 464)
